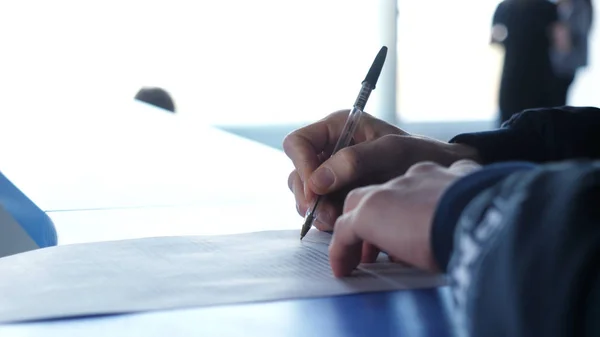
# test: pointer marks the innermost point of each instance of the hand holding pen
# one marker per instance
(350, 127)
(380, 152)
(347, 134)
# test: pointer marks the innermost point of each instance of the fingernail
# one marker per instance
(323, 178)
(307, 194)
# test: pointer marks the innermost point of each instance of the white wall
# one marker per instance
(447, 71)
(226, 62)
(586, 89)
(242, 62)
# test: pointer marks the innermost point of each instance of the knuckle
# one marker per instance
(288, 142)
(399, 181)
(353, 197)
(350, 159)
(396, 146)
(422, 168)
(389, 142)
(404, 183)
(465, 162)
(378, 197)
(338, 114)
(390, 139)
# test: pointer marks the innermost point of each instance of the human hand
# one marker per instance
(380, 152)
(394, 217)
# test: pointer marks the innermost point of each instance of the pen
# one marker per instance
(368, 85)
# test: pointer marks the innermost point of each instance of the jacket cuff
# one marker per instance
(457, 197)
(507, 144)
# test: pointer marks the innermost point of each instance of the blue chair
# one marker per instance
(32, 219)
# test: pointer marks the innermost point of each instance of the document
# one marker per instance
(179, 272)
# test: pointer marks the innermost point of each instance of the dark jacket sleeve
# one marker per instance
(540, 136)
(457, 197)
(526, 260)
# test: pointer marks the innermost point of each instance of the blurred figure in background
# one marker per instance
(524, 28)
(570, 52)
(156, 96)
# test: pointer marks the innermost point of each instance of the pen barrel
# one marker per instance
(363, 96)
(352, 123)
(349, 128)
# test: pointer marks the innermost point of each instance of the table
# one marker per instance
(134, 172)
(146, 169)
(153, 173)
(403, 313)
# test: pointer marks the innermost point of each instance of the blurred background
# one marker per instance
(265, 67)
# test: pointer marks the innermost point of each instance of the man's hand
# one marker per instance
(381, 152)
(394, 217)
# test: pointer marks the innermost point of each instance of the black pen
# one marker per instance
(368, 85)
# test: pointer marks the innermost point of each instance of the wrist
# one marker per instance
(463, 151)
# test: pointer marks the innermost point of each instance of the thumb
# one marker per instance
(351, 164)
(464, 167)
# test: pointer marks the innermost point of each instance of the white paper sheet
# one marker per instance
(176, 272)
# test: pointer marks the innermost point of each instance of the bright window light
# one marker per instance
(224, 62)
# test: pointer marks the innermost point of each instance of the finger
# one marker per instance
(367, 224)
(291, 179)
(355, 196)
(423, 168)
(308, 193)
(464, 166)
(326, 215)
(323, 156)
(298, 190)
(369, 253)
(304, 145)
(353, 163)
(345, 249)
(323, 226)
